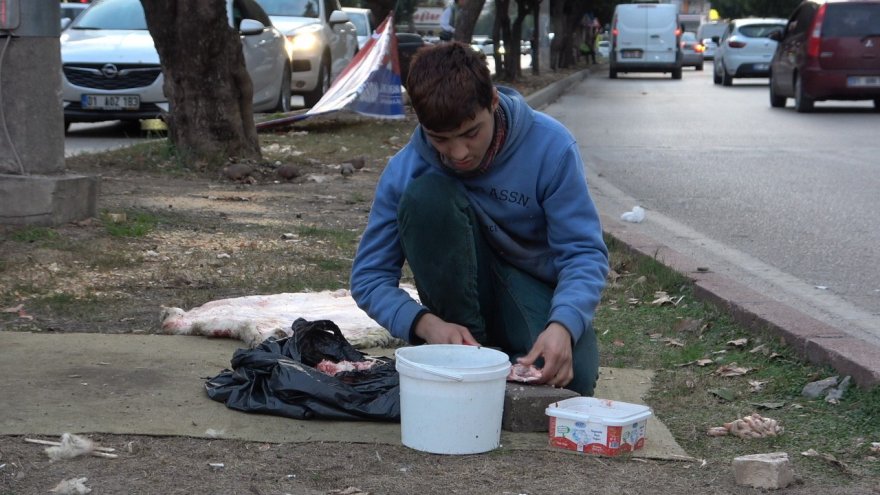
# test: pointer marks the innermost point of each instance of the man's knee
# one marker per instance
(429, 194)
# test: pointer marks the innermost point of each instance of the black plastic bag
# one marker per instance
(279, 378)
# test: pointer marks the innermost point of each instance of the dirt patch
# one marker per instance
(167, 236)
(149, 465)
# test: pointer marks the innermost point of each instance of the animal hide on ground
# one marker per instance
(252, 319)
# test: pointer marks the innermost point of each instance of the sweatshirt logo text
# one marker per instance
(514, 197)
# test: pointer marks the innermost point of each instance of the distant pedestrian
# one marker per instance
(591, 28)
(447, 21)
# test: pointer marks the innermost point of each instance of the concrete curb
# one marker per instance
(551, 93)
(811, 339)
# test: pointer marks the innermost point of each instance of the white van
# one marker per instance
(645, 37)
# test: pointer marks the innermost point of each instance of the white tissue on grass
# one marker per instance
(71, 446)
(635, 216)
(72, 486)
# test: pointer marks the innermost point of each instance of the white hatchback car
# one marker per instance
(322, 41)
(111, 70)
(745, 49)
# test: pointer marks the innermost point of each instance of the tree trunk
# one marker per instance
(565, 17)
(522, 11)
(468, 13)
(211, 117)
(536, 36)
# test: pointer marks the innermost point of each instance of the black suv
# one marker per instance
(830, 50)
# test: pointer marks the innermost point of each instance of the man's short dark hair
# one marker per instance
(448, 84)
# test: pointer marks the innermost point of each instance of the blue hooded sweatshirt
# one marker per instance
(535, 211)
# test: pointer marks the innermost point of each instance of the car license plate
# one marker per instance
(863, 81)
(111, 102)
(631, 54)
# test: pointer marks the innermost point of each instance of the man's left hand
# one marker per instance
(554, 345)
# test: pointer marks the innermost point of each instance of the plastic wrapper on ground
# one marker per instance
(279, 378)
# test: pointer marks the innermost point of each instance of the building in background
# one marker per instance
(692, 13)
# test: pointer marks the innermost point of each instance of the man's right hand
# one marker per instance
(436, 331)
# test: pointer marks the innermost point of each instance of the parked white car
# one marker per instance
(321, 42)
(483, 44)
(603, 48)
(111, 70)
(745, 49)
(362, 20)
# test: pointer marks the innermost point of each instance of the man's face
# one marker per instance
(463, 148)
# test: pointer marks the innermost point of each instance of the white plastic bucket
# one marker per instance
(451, 397)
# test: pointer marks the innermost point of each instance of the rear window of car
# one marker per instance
(710, 30)
(760, 30)
(851, 20)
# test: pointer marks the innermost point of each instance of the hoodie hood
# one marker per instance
(519, 120)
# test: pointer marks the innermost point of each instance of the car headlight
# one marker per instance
(303, 42)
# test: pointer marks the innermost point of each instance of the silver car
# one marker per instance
(111, 70)
(691, 51)
(322, 41)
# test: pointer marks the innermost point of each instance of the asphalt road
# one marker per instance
(786, 203)
(100, 136)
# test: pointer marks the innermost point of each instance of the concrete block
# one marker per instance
(771, 470)
(47, 200)
(524, 406)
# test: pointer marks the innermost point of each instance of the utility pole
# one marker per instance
(35, 188)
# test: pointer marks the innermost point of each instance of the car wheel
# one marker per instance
(716, 76)
(612, 72)
(776, 100)
(726, 79)
(132, 128)
(283, 104)
(676, 73)
(802, 102)
(699, 67)
(312, 97)
(877, 104)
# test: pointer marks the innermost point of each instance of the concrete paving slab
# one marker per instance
(154, 385)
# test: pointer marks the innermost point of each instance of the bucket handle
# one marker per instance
(439, 372)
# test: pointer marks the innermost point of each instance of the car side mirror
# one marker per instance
(338, 17)
(775, 35)
(250, 27)
(65, 21)
(716, 40)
